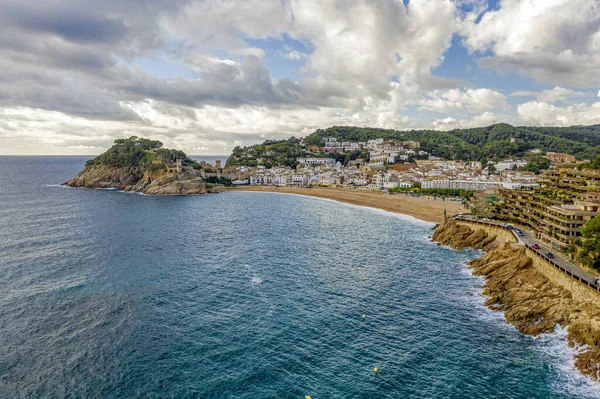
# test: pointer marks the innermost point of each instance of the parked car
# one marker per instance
(508, 226)
(460, 215)
(520, 232)
(597, 282)
(550, 254)
(536, 246)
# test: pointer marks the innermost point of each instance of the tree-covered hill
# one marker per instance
(135, 151)
(493, 142)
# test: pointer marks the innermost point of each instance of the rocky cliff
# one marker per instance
(532, 303)
(143, 166)
(136, 179)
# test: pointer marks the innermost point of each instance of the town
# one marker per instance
(387, 164)
(554, 200)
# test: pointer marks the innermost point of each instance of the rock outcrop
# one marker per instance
(142, 165)
(532, 303)
(136, 179)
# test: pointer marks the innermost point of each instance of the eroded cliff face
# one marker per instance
(532, 303)
(152, 182)
(459, 236)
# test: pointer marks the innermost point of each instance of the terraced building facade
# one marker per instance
(557, 209)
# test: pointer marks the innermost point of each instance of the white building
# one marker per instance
(299, 180)
(316, 161)
(256, 180)
(472, 185)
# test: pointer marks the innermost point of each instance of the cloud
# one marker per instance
(549, 40)
(289, 53)
(69, 78)
(469, 100)
(545, 114)
(554, 95)
(485, 119)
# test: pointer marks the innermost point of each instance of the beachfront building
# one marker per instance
(299, 180)
(557, 209)
(471, 185)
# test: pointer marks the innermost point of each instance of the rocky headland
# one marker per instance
(529, 300)
(141, 165)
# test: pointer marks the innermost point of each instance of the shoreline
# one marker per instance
(422, 208)
(534, 303)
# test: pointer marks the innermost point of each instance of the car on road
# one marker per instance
(597, 282)
(550, 254)
(508, 226)
(460, 215)
(536, 246)
(519, 232)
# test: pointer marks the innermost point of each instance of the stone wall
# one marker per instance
(581, 292)
(502, 235)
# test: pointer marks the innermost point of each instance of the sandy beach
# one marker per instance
(422, 208)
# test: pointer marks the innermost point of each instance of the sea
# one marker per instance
(107, 294)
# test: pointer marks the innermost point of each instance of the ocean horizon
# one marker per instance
(245, 294)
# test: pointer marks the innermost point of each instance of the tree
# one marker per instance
(590, 248)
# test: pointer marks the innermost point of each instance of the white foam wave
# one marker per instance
(570, 381)
(554, 346)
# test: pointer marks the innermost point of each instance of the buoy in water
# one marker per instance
(376, 370)
(364, 279)
(364, 316)
(307, 397)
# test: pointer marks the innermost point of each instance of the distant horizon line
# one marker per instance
(92, 155)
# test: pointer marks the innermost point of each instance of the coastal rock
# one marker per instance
(143, 166)
(459, 236)
(151, 182)
(531, 302)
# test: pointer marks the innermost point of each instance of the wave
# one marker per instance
(554, 346)
(570, 381)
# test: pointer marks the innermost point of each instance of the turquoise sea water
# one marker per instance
(244, 295)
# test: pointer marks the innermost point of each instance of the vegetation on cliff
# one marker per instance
(271, 152)
(142, 165)
(135, 152)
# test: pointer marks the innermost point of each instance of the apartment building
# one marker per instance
(557, 209)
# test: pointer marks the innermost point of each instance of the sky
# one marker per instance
(205, 76)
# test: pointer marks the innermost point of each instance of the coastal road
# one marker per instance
(557, 258)
(550, 255)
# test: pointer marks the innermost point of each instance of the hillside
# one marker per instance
(142, 165)
(493, 142)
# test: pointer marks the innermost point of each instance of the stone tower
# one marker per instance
(179, 163)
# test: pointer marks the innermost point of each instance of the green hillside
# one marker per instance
(479, 144)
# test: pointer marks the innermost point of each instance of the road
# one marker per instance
(556, 259)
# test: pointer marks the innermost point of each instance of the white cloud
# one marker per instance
(553, 95)
(545, 114)
(485, 119)
(290, 54)
(550, 40)
(469, 100)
